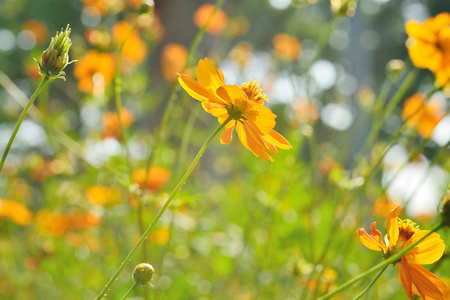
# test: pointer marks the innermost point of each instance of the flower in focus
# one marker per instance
(38, 29)
(287, 47)
(134, 49)
(95, 70)
(218, 22)
(16, 212)
(157, 177)
(110, 121)
(421, 115)
(102, 195)
(253, 121)
(173, 59)
(429, 45)
(402, 233)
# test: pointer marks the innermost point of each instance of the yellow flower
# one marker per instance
(93, 64)
(429, 45)
(15, 211)
(402, 233)
(287, 47)
(218, 22)
(253, 121)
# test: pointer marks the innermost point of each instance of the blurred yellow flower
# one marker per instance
(110, 122)
(402, 233)
(157, 178)
(287, 47)
(429, 45)
(160, 236)
(102, 6)
(16, 212)
(134, 49)
(384, 205)
(58, 223)
(102, 195)
(421, 115)
(218, 22)
(94, 65)
(173, 59)
(253, 121)
(38, 29)
(242, 54)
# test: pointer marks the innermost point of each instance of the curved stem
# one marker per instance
(129, 291)
(393, 259)
(371, 283)
(21, 118)
(162, 210)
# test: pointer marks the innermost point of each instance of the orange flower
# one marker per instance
(287, 47)
(38, 29)
(134, 49)
(58, 223)
(384, 205)
(157, 178)
(94, 70)
(110, 121)
(241, 54)
(218, 22)
(421, 115)
(402, 233)
(16, 212)
(429, 45)
(102, 195)
(102, 6)
(173, 59)
(253, 121)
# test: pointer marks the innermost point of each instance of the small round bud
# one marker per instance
(146, 6)
(143, 274)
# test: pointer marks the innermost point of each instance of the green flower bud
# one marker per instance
(146, 6)
(56, 57)
(143, 274)
(445, 207)
(395, 68)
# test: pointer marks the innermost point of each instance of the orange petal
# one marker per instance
(426, 283)
(417, 30)
(226, 135)
(209, 76)
(370, 242)
(197, 91)
(392, 227)
(255, 143)
(261, 116)
(426, 252)
(404, 277)
(277, 139)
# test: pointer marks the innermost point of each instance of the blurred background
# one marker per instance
(241, 228)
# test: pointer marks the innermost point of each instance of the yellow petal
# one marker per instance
(392, 227)
(197, 91)
(417, 30)
(369, 241)
(226, 135)
(426, 252)
(255, 143)
(261, 116)
(208, 75)
(277, 140)
(232, 94)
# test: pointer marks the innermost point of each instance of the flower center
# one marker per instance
(235, 113)
(254, 92)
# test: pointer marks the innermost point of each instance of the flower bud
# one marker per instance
(146, 6)
(143, 274)
(343, 7)
(395, 68)
(56, 57)
(445, 207)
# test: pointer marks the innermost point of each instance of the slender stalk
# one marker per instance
(21, 118)
(129, 291)
(371, 283)
(162, 210)
(393, 259)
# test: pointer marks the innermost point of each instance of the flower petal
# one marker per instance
(277, 140)
(197, 91)
(369, 241)
(392, 227)
(426, 283)
(404, 277)
(232, 94)
(426, 252)
(262, 116)
(208, 75)
(226, 135)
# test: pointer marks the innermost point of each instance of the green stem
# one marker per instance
(21, 118)
(371, 283)
(129, 291)
(391, 260)
(162, 210)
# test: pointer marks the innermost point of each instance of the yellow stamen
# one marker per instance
(254, 92)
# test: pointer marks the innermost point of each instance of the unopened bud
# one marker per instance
(56, 57)
(445, 207)
(143, 274)
(146, 6)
